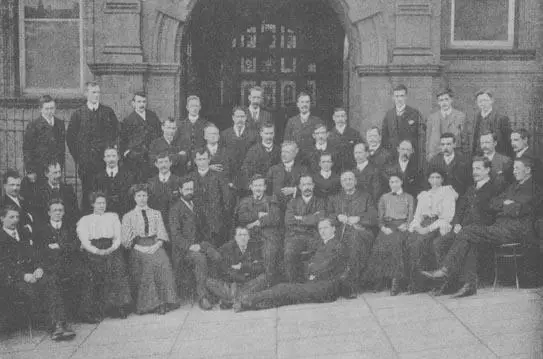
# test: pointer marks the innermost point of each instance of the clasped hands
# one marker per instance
(257, 223)
(148, 249)
(348, 220)
(33, 277)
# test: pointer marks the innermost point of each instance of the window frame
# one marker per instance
(486, 44)
(62, 92)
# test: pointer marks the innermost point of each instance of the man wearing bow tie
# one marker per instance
(92, 128)
(12, 188)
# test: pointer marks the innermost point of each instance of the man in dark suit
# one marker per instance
(256, 115)
(261, 215)
(261, 156)
(56, 188)
(301, 218)
(284, 177)
(357, 213)
(311, 157)
(115, 181)
(403, 123)
(219, 161)
(237, 140)
(520, 142)
(12, 188)
(343, 138)
(300, 127)
(501, 171)
(92, 128)
(44, 140)
(164, 187)
(21, 275)
(407, 167)
(190, 131)
(490, 120)
(322, 280)
(369, 179)
(185, 235)
(169, 143)
(138, 130)
(452, 163)
(514, 209)
(327, 182)
(379, 155)
(212, 198)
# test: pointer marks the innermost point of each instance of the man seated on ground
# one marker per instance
(24, 279)
(235, 268)
(514, 223)
(301, 218)
(261, 215)
(322, 278)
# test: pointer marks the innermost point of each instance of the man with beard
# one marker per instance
(284, 176)
(255, 114)
(368, 178)
(300, 127)
(301, 218)
(312, 155)
(212, 198)
(447, 119)
(343, 138)
(170, 144)
(138, 130)
(327, 183)
(514, 209)
(520, 142)
(321, 281)
(261, 157)
(501, 171)
(261, 215)
(452, 163)
(379, 155)
(237, 140)
(164, 187)
(356, 212)
(12, 188)
(407, 167)
(56, 188)
(92, 128)
(115, 181)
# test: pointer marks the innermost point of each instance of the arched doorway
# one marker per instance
(284, 46)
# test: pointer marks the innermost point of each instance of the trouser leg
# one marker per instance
(199, 262)
(294, 246)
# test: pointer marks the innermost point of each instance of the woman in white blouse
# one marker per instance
(432, 221)
(100, 236)
(143, 231)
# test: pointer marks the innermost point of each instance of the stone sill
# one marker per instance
(488, 55)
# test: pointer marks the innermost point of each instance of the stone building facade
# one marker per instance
(348, 53)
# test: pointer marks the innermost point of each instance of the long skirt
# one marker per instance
(155, 285)
(110, 281)
(387, 256)
(420, 255)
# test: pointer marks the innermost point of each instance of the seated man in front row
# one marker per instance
(321, 282)
(514, 209)
(22, 278)
(236, 266)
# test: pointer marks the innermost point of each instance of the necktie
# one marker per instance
(145, 221)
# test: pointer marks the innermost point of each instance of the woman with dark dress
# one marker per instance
(386, 262)
(144, 233)
(100, 236)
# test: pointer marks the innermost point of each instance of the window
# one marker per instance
(482, 24)
(50, 43)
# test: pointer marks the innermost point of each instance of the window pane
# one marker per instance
(481, 20)
(51, 9)
(52, 54)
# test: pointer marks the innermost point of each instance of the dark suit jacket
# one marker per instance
(344, 144)
(301, 133)
(269, 229)
(68, 196)
(43, 143)
(311, 214)
(474, 206)
(326, 187)
(496, 123)
(189, 136)
(163, 195)
(408, 126)
(411, 178)
(358, 204)
(501, 171)
(183, 231)
(329, 261)
(89, 133)
(221, 157)
(16, 258)
(278, 178)
(370, 180)
(116, 190)
(537, 171)
(25, 215)
(311, 158)
(381, 157)
(237, 148)
(458, 172)
(263, 117)
(179, 162)
(65, 237)
(258, 161)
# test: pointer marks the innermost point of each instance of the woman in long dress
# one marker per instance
(100, 236)
(144, 233)
(386, 263)
(432, 220)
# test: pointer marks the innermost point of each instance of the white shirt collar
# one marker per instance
(255, 112)
(306, 199)
(341, 128)
(362, 165)
(92, 107)
(142, 114)
(164, 178)
(485, 113)
(521, 152)
(11, 232)
(168, 141)
(239, 131)
(400, 110)
(326, 174)
(193, 119)
(480, 184)
(491, 156)
(51, 122)
(448, 158)
(525, 179)
(289, 165)
(213, 148)
(326, 240)
(15, 199)
(446, 113)
(203, 173)
(321, 147)
(189, 204)
(268, 147)
(56, 225)
(403, 164)
(305, 117)
(399, 192)
(115, 170)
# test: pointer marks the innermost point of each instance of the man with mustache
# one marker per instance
(501, 171)
(407, 167)
(343, 137)
(300, 127)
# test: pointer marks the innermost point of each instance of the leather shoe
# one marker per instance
(466, 290)
(395, 287)
(57, 332)
(67, 333)
(436, 274)
(122, 313)
(204, 304)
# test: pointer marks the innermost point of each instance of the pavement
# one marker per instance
(503, 324)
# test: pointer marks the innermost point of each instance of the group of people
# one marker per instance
(242, 219)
